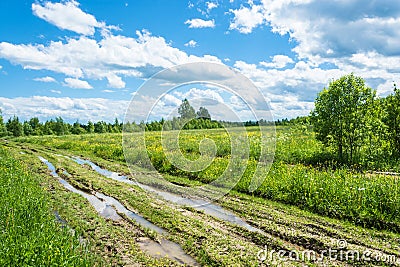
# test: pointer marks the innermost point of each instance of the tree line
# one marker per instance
(188, 119)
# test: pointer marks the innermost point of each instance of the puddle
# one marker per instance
(166, 248)
(121, 209)
(100, 206)
(202, 205)
(108, 206)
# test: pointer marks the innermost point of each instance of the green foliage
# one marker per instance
(342, 116)
(203, 113)
(392, 120)
(90, 127)
(3, 128)
(77, 128)
(29, 235)
(14, 126)
(186, 111)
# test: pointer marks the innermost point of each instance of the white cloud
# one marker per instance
(327, 29)
(196, 93)
(110, 58)
(115, 81)
(191, 43)
(108, 91)
(246, 19)
(67, 16)
(46, 79)
(55, 91)
(278, 61)
(200, 23)
(70, 109)
(76, 83)
(211, 5)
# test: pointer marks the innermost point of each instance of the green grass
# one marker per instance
(367, 200)
(210, 241)
(29, 234)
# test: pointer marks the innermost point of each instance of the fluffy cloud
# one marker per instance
(46, 79)
(67, 16)
(327, 29)
(246, 19)
(211, 5)
(191, 43)
(76, 83)
(70, 109)
(110, 58)
(200, 23)
(278, 61)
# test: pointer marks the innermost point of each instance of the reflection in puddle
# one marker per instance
(108, 206)
(202, 205)
(121, 209)
(100, 206)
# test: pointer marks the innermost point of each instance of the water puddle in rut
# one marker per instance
(104, 205)
(202, 205)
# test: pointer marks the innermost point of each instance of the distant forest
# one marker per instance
(188, 119)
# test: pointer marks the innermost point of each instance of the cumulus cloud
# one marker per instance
(191, 43)
(67, 16)
(327, 29)
(46, 79)
(70, 109)
(76, 83)
(110, 58)
(211, 5)
(200, 23)
(246, 19)
(278, 61)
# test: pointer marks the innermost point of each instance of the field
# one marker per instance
(305, 202)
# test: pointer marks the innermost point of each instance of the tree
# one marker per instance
(90, 127)
(100, 127)
(203, 113)
(77, 128)
(14, 126)
(36, 126)
(392, 119)
(3, 129)
(60, 127)
(341, 116)
(186, 111)
(28, 130)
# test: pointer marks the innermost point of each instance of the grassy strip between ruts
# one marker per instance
(29, 234)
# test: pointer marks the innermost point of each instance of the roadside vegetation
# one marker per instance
(29, 233)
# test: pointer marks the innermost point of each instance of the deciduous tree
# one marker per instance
(342, 115)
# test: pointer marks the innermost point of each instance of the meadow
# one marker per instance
(306, 202)
(302, 173)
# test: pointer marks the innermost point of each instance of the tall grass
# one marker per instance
(364, 199)
(29, 235)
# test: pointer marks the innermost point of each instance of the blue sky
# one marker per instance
(85, 59)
